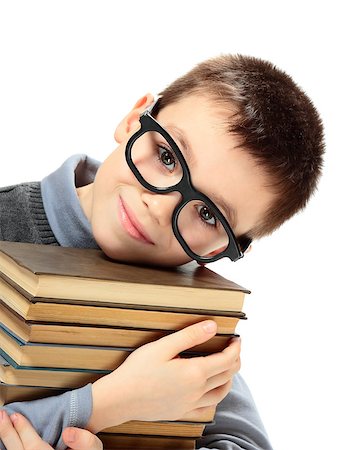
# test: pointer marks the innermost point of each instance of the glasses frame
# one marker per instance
(185, 188)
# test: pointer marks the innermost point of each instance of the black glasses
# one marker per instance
(199, 226)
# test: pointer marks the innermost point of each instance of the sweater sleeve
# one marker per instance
(237, 425)
(49, 416)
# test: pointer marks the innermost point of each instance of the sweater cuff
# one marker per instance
(49, 416)
(80, 406)
(80, 410)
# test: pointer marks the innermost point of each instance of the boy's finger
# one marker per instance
(225, 360)
(28, 435)
(8, 434)
(79, 439)
(220, 379)
(187, 338)
(215, 396)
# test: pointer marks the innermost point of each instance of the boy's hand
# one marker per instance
(17, 433)
(155, 384)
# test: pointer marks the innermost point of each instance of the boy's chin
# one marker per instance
(147, 260)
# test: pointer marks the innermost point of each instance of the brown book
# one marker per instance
(68, 356)
(39, 378)
(61, 356)
(14, 393)
(10, 393)
(130, 442)
(161, 428)
(86, 276)
(50, 333)
(110, 316)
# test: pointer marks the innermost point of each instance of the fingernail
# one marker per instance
(209, 326)
(14, 418)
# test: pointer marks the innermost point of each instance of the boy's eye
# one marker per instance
(167, 158)
(206, 215)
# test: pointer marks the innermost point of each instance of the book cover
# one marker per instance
(87, 275)
(160, 428)
(12, 373)
(70, 356)
(54, 333)
(115, 441)
(160, 318)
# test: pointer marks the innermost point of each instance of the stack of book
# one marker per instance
(68, 316)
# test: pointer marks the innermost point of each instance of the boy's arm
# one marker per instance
(237, 423)
(49, 416)
(152, 384)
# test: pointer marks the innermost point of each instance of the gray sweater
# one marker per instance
(49, 213)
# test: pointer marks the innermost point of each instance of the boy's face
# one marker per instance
(132, 224)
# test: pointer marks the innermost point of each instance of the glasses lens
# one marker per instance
(155, 160)
(202, 231)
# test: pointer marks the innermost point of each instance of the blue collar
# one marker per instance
(62, 206)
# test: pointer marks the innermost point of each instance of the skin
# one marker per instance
(17, 433)
(154, 383)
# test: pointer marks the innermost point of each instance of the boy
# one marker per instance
(226, 155)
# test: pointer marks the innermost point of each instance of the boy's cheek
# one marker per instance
(114, 172)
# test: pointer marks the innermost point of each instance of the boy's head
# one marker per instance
(253, 143)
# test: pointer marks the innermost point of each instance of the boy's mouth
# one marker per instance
(131, 224)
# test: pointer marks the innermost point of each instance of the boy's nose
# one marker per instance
(161, 206)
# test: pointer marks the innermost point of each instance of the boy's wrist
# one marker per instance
(107, 410)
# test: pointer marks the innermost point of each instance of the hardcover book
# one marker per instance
(28, 331)
(86, 276)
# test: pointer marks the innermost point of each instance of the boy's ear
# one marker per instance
(249, 248)
(130, 123)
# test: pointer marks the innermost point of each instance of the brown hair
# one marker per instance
(274, 120)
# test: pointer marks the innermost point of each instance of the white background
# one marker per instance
(69, 71)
